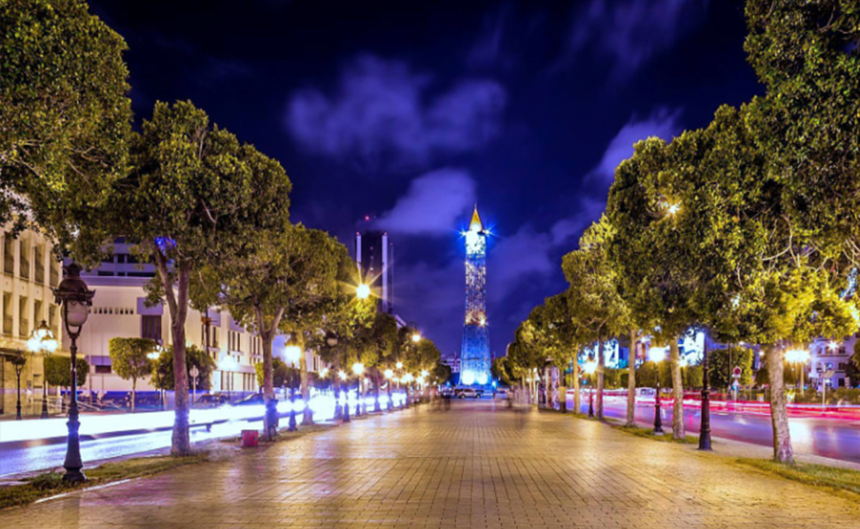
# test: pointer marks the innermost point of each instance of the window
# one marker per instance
(102, 370)
(150, 327)
(23, 322)
(37, 312)
(52, 320)
(7, 314)
(39, 261)
(8, 254)
(55, 273)
(25, 259)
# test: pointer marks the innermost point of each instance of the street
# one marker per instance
(477, 465)
(835, 438)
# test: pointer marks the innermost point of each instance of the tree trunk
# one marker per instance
(270, 424)
(782, 450)
(307, 413)
(598, 410)
(577, 399)
(376, 389)
(631, 379)
(177, 303)
(677, 390)
(133, 392)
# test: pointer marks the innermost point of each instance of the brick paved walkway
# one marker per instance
(468, 467)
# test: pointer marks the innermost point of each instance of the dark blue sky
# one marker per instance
(413, 111)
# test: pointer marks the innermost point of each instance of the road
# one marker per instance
(34, 445)
(478, 464)
(836, 438)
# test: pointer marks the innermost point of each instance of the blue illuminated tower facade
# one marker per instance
(475, 354)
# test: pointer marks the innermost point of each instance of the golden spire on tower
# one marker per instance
(476, 224)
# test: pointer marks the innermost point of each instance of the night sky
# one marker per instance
(411, 112)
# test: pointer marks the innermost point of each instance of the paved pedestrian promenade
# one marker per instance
(477, 465)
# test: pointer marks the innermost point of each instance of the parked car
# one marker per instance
(211, 401)
(446, 392)
(251, 400)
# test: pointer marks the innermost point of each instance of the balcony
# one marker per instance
(8, 263)
(7, 325)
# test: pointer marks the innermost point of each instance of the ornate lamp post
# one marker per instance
(153, 356)
(18, 361)
(589, 368)
(332, 341)
(293, 354)
(75, 298)
(358, 370)
(42, 341)
(658, 419)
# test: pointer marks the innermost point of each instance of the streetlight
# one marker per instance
(656, 355)
(331, 340)
(227, 365)
(416, 337)
(75, 298)
(343, 376)
(358, 370)
(362, 291)
(293, 354)
(153, 356)
(18, 361)
(589, 368)
(799, 357)
(42, 341)
(194, 374)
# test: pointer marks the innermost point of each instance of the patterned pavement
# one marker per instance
(475, 465)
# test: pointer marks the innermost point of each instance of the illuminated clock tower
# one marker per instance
(475, 354)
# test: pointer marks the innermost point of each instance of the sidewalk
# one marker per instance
(477, 465)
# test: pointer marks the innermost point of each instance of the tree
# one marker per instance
(129, 359)
(723, 361)
(502, 371)
(163, 368)
(806, 55)
(58, 370)
(276, 272)
(594, 300)
(282, 375)
(765, 282)
(442, 373)
(195, 196)
(63, 133)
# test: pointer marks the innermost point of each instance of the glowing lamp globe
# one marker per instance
(358, 368)
(399, 365)
(324, 372)
(468, 378)
(72, 293)
(362, 291)
(590, 367)
(341, 375)
(416, 337)
(293, 353)
(389, 374)
(42, 340)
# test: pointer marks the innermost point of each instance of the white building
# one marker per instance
(29, 272)
(119, 310)
(827, 355)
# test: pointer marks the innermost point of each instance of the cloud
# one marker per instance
(632, 32)
(432, 204)
(529, 255)
(662, 123)
(384, 115)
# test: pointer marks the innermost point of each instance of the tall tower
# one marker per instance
(475, 354)
(375, 256)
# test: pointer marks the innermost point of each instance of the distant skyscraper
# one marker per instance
(475, 354)
(375, 257)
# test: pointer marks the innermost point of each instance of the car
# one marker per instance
(256, 399)
(211, 401)
(468, 393)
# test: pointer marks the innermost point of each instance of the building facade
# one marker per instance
(374, 254)
(475, 362)
(29, 273)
